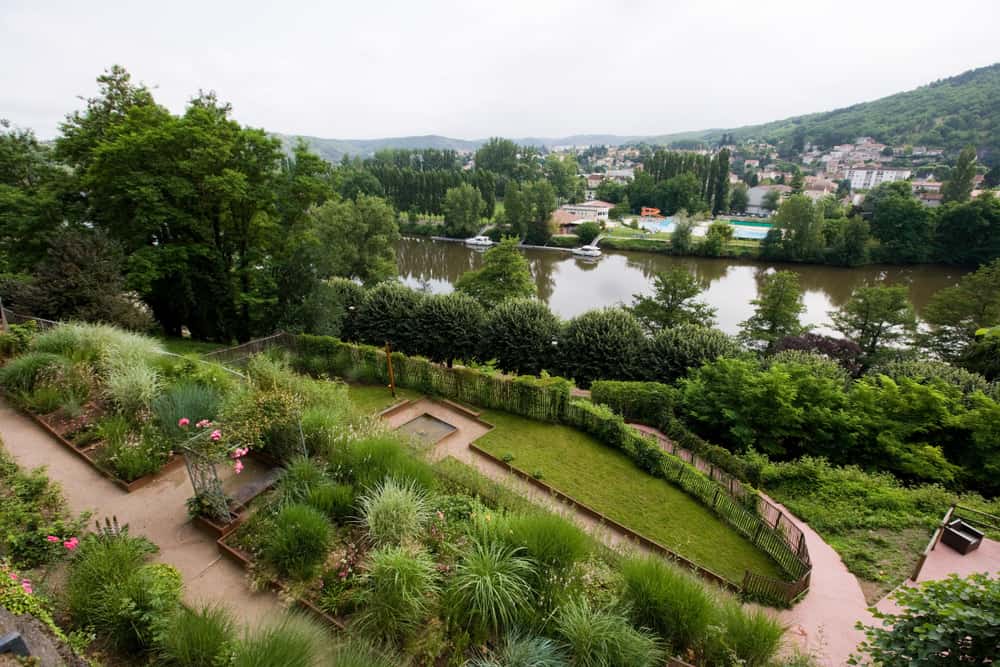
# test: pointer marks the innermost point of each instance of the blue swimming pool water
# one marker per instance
(749, 233)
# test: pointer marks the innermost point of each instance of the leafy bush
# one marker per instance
(604, 344)
(389, 313)
(21, 374)
(17, 338)
(459, 477)
(300, 476)
(673, 603)
(490, 592)
(397, 590)
(518, 333)
(394, 512)
(449, 327)
(334, 500)
(644, 402)
(131, 455)
(298, 542)
(194, 402)
(743, 636)
(674, 351)
(196, 637)
(927, 371)
(600, 638)
(291, 641)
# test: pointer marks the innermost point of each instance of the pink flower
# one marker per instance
(53, 538)
(216, 434)
(183, 421)
(71, 543)
(26, 586)
(13, 576)
(238, 467)
(204, 423)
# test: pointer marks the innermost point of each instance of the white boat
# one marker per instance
(479, 240)
(587, 251)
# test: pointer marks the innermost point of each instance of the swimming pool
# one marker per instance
(741, 232)
(657, 224)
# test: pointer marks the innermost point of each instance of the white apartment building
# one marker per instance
(866, 179)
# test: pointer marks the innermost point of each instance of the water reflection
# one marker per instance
(571, 285)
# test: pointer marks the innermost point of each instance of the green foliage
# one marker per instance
(518, 333)
(674, 351)
(954, 314)
(969, 233)
(353, 652)
(449, 327)
(928, 371)
(300, 477)
(21, 373)
(184, 400)
(131, 387)
(463, 210)
(743, 636)
(953, 617)
(599, 638)
(334, 500)
(370, 461)
(290, 641)
(672, 603)
(489, 592)
(394, 512)
(776, 312)
(398, 590)
(129, 454)
(553, 542)
(801, 228)
(672, 303)
(196, 637)
(902, 224)
(959, 185)
(644, 402)
(587, 232)
(524, 651)
(602, 344)
(298, 542)
(389, 314)
(876, 317)
(504, 275)
(17, 338)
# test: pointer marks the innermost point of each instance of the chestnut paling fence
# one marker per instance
(753, 516)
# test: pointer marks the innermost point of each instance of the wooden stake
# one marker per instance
(388, 360)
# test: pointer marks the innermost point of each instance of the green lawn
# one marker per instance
(607, 481)
(375, 398)
(188, 346)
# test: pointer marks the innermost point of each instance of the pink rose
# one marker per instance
(71, 543)
(204, 423)
(216, 434)
(53, 538)
(26, 586)
(238, 467)
(13, 576)
(183, 421)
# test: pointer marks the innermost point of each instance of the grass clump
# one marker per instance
(184, 400)
(524, 651)
(600, 638)
(357, 653)
(298, 542)
(550, 540)
(743, 636)
(668, 601)
(300, 476)
(367, 462)
(131, 387)
(336, 501)
(398, 589)
(291, 641)
(196, 637)
(394, 512)
(21, 374)
(490, 592)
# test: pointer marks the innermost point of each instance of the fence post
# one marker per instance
(715, 500)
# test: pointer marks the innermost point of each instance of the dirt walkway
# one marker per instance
(157, 511)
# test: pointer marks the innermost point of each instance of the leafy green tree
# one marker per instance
(849, 243)
(563, 174)
(876, 317)
(541, 202)
(959, 186)
(329, 309)
(463, 210)
(900, 223)
(776, 310)
(798, 182)
(771, 200)
(518, 334)
(739, 199)
(951, 621)
(499, 156)
(504, 275)
(720, 232)
(673, 352)
(683, 191)
(354, 182)
(359, 236)
(992, 177)
(605, 344)
(681, 242)
(801, 227)
(388, 313)
(673, 302)
(969, 233)
(983, 355)
(516, 211)
(588, 231)
(955, 314)
(450, 327)
(720, 196)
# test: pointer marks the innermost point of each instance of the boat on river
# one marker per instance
(479, 241)
(587, 251)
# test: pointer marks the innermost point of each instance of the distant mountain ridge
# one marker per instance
(948, 113)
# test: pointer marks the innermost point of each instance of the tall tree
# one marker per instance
(463, 210)
(739, 199)
(518, 334)
(449, 327)
(504, 275)
(360, 238)
(969, 233)
(540, 199)
(955, 313)
(776, 311)
(720, 198)
(876, 317)
(901, 223)
(958, 187)
(673, 302)
(801, 227)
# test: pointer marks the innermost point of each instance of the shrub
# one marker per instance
(21, 374)
(674, 351)
(398, 587)
(644, 402)
(672, 603)
(184, 400)
(389, 313)
(135, 456)
(291, 641)
(600, 638)
(98, 343)
(17, 338)
(394, 512)
(604, 344)
(518, 333)
(490, 592)
(552, 541)
(743, 636)
(524, 651)
(196, 637)
(298, 542)
(334, 500)
(927, 371)
(449, 327)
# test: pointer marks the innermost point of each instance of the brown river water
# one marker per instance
(571, 285)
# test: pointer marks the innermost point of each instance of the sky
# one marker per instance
(471, 69)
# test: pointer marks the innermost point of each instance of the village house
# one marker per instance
(595, 210)
(865, 178)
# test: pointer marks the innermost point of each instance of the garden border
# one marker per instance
(703, 572)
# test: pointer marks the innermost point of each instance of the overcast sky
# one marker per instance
(473, 69)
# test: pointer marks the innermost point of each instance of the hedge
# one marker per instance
(542, 398)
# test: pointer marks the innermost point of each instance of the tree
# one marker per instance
(969, 233)
(388, 314)
(674, 351)
(849, 245)
(515, 211)
(673, 302)
(955, 314)
(876, 317)
(329, 309)
(992, 177)
(776, 313)
(563, 174)
(951, 621)
(739, 199)
(719, 233)
(588, 231)
(801, 227)
(463, 210)
(959, 186)
(540, 198)
(449, 326)
(604, 344)
(983, 355)
(900, 223)
(680, 192)
(847, 353)
(720, 197)
(798, 182)
(499, 156)
(505, 275)
(680, 239)
(518, 334)
(771, 200)
(360, 238)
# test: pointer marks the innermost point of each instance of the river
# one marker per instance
(571, 286)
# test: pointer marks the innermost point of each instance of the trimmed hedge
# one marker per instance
(541, 398)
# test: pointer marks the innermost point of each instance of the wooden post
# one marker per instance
(388, 360)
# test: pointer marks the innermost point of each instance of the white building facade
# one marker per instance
(866, 179)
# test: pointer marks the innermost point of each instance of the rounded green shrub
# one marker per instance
(548, 539)
(394, 512)
(298, 542)
(21, 373)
